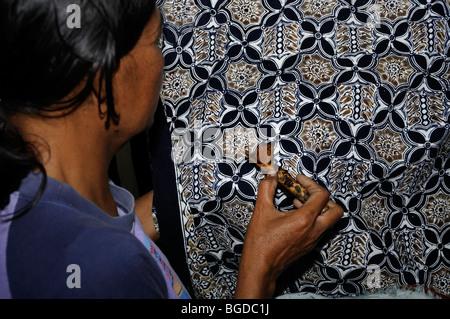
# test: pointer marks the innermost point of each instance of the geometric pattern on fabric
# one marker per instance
(352, 93)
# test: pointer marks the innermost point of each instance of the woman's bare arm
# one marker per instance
(275, 239)
(143, 207)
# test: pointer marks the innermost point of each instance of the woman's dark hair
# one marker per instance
(43, 59)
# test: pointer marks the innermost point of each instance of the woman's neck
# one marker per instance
(74, 151)
(86, 172)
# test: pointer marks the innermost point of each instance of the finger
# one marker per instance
(330, 217)
(297, 203)
(318, 196)
(266, 190)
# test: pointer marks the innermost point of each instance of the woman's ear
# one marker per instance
(99, 96)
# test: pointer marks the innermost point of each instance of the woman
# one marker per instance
(70, 98)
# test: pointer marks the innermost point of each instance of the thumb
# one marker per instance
(267, 188)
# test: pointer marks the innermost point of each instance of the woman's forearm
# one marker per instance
(144, 208)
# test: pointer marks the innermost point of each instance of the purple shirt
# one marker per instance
(66, 247)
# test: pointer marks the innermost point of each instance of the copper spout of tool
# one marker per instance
(263, 158)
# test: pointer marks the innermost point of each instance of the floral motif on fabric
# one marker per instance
(352, 93)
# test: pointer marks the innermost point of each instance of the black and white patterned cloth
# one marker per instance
(353, 93)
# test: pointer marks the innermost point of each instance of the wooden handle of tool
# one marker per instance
(294, 187)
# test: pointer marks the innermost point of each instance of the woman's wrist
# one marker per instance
(254, 280)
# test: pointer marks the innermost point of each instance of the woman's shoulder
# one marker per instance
(62, 244)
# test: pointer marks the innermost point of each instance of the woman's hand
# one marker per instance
(275, 239)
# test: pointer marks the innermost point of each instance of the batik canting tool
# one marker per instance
(263, 158)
